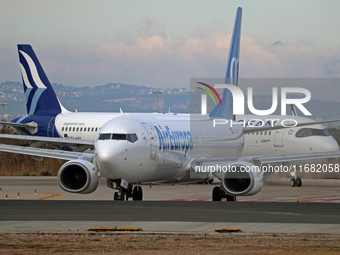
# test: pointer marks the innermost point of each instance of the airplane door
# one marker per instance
(278, 137)
(152, 134)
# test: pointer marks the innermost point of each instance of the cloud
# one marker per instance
(23, 6)
(144, 54)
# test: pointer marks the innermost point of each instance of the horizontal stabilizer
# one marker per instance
(32, 127)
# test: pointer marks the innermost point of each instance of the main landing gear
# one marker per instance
(295, 181)
(218, 194)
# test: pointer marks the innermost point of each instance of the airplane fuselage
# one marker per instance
(166, 145)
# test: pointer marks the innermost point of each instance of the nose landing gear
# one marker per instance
(125, 190)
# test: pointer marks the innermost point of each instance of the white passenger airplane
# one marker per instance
(129, 149)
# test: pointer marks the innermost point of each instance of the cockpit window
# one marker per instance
(118, 137)
(132, 138)
(127, 137)
(305, 132)
(104, 137)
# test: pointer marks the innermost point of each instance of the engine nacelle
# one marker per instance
(78, 176)
(244, 178)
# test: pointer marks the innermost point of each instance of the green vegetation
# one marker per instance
(22, 165)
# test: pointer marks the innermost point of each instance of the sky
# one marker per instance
(165, 43)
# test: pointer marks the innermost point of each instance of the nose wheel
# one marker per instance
(136, 193)
(120, 195)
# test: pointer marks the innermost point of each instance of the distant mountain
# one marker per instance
(105, 98)
(133, 98)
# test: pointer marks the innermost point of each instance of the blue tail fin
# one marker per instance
(39, 94)
(225, 110)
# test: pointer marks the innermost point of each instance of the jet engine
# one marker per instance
(78, 176)
(242, 179)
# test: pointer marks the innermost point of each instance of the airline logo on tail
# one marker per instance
(39, 94)
(37, 83)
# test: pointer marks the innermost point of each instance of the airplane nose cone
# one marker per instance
(329, 145)
(104, 156)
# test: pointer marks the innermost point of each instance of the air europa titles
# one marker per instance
(174, 140)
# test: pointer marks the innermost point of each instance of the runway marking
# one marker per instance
(305, 200)
(313, 199)
(52, 196)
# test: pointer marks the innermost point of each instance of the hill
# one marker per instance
(132, 98)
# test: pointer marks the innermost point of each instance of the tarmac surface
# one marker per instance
(170, 208)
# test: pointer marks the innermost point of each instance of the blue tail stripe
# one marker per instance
(27, 95)
(21, 119)
(35, 100)
(226, 109)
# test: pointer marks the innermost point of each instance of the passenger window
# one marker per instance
(62, 129)
(92, 130)
(74, 129)
(96, 129)
(77, 129)
(81, 129)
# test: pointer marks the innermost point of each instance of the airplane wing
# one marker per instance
(248, 129)
(295, 158)
(288, 160)
(48, 153)
(38, 141)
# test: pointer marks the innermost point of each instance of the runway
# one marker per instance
(274, 209)
(316, 213)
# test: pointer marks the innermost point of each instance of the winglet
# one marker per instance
(39, 94)
(225, 110)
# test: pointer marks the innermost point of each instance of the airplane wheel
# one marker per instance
(231, 198)
(298, 182)
(115, 196)
(137, 193)
(216, 194)
(124, 196)
(292, 182)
